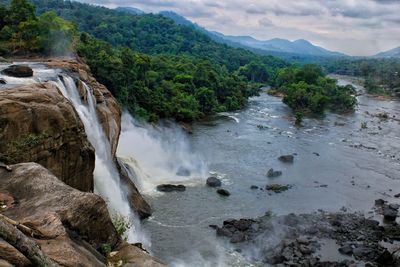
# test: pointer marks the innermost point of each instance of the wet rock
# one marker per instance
(223, 192)
(277, 188)
(254, 187)
(183, 172)
(213, 226)
(273, 174)
(240, 225)
(287, 158)
(224, 232)
(394, 206)
(397, 195)
(19, 71)
(2, 81)
(238, 237)
(346, 250)
(171, 188)
(316, 154)
(379, 202)
(390, 214)
(213, 182)
(385, 259)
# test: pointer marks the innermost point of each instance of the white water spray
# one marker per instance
(106, 176)
(157, 155)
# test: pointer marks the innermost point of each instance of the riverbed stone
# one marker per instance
(277, 188)
(273, 174)
(287, 158)
(214, 182)
(171, 188)
(390, 214)
(223, 192)
(19, 71)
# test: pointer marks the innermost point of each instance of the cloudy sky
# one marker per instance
(355, 27)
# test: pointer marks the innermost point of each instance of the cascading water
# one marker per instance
(159, 155)
(106, 175)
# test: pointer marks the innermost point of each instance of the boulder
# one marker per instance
(390, 214)
(254, 187)
(223, 192)
(238, 237)
(213, 182)
(287, 158)
(2, 81)
(129, 255)
(273, 174)
(379, 202)
(37, 124)
(277, 188)
(74, 225)
(171, 188)
(19, 71)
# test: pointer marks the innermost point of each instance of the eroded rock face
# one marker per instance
(37, 124)
(74, 224)
(108, 110)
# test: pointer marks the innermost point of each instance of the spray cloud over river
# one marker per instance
(159, 155)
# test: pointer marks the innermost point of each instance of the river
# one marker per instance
(339, 165)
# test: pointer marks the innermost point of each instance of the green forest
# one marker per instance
(157, 68)
(307, 90)
(382, 76)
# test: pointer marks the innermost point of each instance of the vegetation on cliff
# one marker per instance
(306, 89)
(22, 32)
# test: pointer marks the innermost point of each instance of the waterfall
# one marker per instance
(157, 155)
(106, 175)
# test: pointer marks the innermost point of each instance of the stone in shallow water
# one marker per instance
(277, 188)
(171, 188)
(223, 192)
(19, 71)
(273, 174)
(214, 182)
(287, 158)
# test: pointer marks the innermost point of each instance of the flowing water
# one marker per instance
(337, 165)
(106, 176)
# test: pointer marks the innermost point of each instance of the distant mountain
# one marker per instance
(302, 47)
(130, 10)
(393, 53)
(273, 46)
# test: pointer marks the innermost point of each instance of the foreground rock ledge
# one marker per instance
(74, 224)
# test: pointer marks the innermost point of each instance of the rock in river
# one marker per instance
(20, 71)
(171, 188)
(277, 188)
(223, 192)
(287, 158)
(213, 182)
(273, 174)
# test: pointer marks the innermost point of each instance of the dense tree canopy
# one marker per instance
(382, 76)
(21, 31)
(306, 89)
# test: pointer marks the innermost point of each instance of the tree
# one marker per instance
(20, 11)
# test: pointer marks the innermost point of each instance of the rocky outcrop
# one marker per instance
(108, 110)
(21, 71)
(74, 225)
(37, 124)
